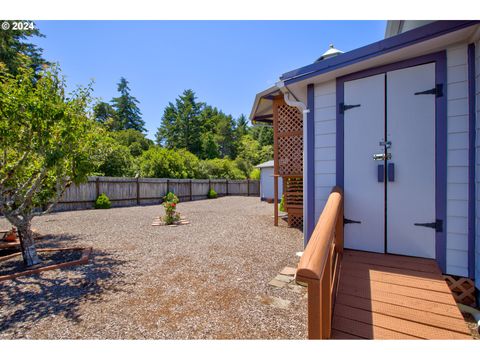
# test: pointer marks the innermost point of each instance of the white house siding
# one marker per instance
(477, 172)
(457, 161)
(325, 139)
(266, 183)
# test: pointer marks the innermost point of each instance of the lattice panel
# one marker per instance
(463, 289)
(290, 155)
(289, 140)
(289, 119)
(293, 191)
(295, 221)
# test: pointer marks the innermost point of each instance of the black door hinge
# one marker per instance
(437, 91)
(437, 225)
(348, 221)
(344, 107)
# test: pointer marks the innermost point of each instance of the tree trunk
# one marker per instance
(27, 243)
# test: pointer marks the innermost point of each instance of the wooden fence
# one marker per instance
(144, 191)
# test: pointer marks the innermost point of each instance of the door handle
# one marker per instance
(391, 172)
(380, 173)
(382, 157)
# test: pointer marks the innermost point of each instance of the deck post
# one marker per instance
(326, 293)
(314, 309)
(339, 240)
(275, 200)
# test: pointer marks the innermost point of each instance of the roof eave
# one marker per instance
(384, 46)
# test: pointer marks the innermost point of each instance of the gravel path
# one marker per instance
(205, 280)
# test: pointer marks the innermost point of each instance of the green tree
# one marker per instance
(225, 136)
(242, 126)
(220, 169)
(104, 113)
(117, 161)
(127, 113)
(263, 134)
(16, 53)
(164, 163)
(134, 140)
(181, 125)
(47, 142)
(249, 149)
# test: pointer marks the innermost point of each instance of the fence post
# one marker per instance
(168, 187)
(97, 186)
(209, 184)
(248, 187)
(191, 195)
(138, 192)
(227, 187)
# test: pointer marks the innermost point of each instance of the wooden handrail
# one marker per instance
(319, 266)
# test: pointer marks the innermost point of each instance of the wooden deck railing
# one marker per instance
(320, 264)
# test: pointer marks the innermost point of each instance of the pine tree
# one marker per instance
(16, 53)
(181, 126)
(104, 113)
(127, 113)
(242, 126)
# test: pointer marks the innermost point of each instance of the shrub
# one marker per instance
(102, 202)
(170, 201)
(167, 163)
(255, 174)
(171, 215)
(281, 207)
(212, 194)
(171, 197)
(221, 169)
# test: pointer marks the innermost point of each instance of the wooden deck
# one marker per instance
(394, 297)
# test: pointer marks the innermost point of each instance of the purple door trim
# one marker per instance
(439, 58)
(310, 151)
(471, 161)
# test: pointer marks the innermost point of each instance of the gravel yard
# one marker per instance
(205, 280)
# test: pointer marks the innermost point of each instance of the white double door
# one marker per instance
(390, 201)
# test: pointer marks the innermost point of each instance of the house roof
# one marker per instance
(407, 38)
(266, 164)
(389, 49)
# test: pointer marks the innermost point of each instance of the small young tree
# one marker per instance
(47, 142)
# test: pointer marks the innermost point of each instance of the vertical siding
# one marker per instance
(457, 161)
(325, 139)
(477, 158)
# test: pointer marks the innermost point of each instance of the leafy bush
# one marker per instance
(170, 201)
(171, 197)
(159, 162)
(220, 169)
(102, 202)
(212, 194)
(281, 207)
(255, 174)
(117, 161)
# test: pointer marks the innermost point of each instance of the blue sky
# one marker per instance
(225, 62)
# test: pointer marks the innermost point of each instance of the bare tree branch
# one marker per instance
(30, 193)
